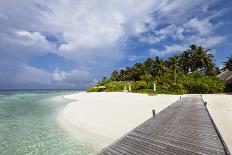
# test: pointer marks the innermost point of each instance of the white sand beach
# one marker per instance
(113, 114)
(110, 115)
(220, 108)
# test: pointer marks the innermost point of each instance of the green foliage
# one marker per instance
(139, 85)
(173, 88)
(194, 83)
(114, 86)
(110, 86)
(228, 63)
(95, 89)
(196, 58)
(189, 72)
(199, 83)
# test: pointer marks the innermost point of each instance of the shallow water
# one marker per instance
(29, 126)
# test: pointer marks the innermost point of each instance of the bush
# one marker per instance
(110, 86)
(173, 88)
(197, 83)
(139, 85)
(114, 86)
(95, 89)
(194, 83)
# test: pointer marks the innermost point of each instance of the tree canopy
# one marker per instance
(196, 58)
(192, 71)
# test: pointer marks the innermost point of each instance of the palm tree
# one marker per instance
(137, 70)
(173, 64)
(115, 76)
(121, 75)
(228, 63)
(149, 66)
(202, 59)
(128, 74)
(159, 65)
(185, 61)
(125, 74)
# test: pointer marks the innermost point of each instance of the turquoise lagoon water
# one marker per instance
(29, 126)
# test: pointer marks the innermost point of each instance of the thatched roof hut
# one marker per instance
(226, 76)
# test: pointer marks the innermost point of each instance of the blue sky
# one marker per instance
(73, 43)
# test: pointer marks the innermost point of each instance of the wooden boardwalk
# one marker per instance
(183, 128)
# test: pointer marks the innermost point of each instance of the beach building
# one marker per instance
(227, 77)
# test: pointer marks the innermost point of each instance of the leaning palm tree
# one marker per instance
(228, 63)
(202, 59)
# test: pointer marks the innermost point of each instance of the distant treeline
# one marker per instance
(192, 71)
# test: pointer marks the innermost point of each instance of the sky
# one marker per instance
(71, 44)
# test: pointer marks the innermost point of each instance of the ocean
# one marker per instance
(29, 125)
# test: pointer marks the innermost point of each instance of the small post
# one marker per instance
(129, 88)
(153, 112)
(205, 103)
(180, 97)
(154, 87)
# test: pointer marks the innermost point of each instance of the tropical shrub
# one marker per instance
(197, 83)
(139, 85)
(114, 86)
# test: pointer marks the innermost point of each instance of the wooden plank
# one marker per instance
(183, 128)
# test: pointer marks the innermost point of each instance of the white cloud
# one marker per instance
(168, 49)
(58, 75)
(203, 26)
(135, 57)
(171, 31)
(179, 11)
(91, 32)
(27, 38)
(132, 58)
(86, 25)
(212, 41)
(195, 28)
(152, 39)
(108, 25)
(20, 45)
(74, 78)
(208, 41)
